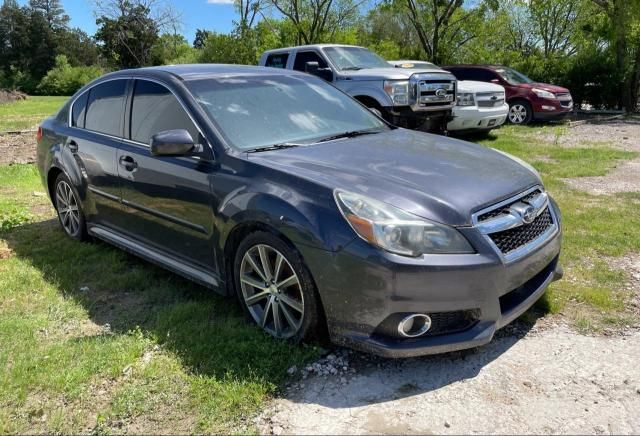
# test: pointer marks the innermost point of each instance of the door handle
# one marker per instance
(128, 163)
(73, 146)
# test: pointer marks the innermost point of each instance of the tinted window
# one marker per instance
(260, 111)
(277, 60)
(106, 104)
(78, 111)
(302, 57)
(156, 109)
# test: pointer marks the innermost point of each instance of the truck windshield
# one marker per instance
(354, 58)
(268, 111)
(512, 76)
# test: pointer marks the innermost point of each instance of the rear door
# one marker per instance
(168, 199)
(96, 123)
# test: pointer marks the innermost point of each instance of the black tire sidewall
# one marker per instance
(81, 235)
(311, 317)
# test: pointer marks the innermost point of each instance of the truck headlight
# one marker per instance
(543, 94)
(465, 99)
(398, 90)
(397, 231)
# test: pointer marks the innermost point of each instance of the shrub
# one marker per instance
(63, 79)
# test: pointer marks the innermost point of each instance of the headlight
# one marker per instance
(527, 165)
(398, 91)
(397, 231)
(543, 94)
(465, 99)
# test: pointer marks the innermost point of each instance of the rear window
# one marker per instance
(105, 107)
(78, 111)
(278, 60)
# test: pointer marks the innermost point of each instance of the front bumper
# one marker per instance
(549, 110)
(470, 118)
(361, 287)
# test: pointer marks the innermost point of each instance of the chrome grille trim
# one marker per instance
(507, 220)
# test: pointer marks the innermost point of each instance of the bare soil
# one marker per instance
(17, 148)
(550, 381)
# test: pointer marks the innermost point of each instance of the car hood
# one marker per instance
(391, 73)
(475, 86)
(544, 86)
(431, 176)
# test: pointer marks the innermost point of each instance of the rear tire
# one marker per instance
(520, 112)
(69, 208)
(275, 288)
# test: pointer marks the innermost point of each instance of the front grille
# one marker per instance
(565, 99)
(490, 99)
(505, 209)
(428, 92)
(512, 239)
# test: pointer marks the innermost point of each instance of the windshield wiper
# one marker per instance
(349, 134)
(273, 147)
(351, 68)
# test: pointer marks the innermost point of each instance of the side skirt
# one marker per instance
(149, 254)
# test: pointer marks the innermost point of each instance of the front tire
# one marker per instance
(69, 209)
(520, 112)
(275, 288)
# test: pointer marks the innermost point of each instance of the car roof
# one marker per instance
(308, 47)
(487, 66)
(203, 71)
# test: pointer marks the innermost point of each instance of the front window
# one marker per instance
(512, 76)
(354, 58)
(254, 112)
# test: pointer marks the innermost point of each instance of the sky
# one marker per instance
(215, 15)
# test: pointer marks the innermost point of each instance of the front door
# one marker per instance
(168, 199)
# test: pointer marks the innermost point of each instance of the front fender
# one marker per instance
(378, 94)
(308, 222)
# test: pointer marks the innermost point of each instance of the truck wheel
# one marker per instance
(520, 112)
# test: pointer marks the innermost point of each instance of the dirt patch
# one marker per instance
(18, 148)
(9, 96)
(624, 178)
(630, 264)
(549, 381)
(622, 134)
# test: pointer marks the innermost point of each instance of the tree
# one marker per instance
(127, 34)
(439, 23)
(200, 38)
(53, 12)
(318, 20)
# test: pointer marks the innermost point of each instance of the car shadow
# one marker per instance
(122, 294)
(211, 335)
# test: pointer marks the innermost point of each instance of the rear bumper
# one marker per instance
(477, 118)
(362, 287)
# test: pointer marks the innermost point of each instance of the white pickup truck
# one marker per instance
(419, 98)
(480, 106)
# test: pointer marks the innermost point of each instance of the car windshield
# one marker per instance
(512, 76)
(262, 111)
(354, 58)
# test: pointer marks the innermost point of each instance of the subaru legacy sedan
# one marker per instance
(321, 218)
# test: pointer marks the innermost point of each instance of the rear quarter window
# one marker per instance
(278, 60)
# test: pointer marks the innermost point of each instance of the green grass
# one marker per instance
(595, 227)
(26, 114)
(95, 340)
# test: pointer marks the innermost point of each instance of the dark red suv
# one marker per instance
(528, 100)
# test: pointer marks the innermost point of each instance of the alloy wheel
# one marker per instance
(67, 206)
(517, 113)
(272, 291)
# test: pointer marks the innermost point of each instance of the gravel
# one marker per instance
(552, 380)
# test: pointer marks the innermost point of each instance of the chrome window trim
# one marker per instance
(527, 248)
(131, 141)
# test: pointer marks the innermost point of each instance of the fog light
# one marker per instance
(548, 108)
(414, 325)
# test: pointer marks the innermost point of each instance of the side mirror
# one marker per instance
(176, 142)
(313, 67)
